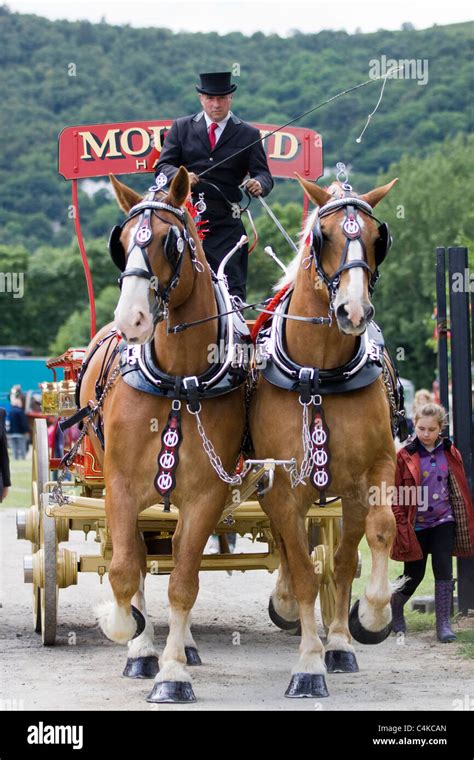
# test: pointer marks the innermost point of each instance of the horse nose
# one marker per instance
(135, 326)
(342, 312)
(347, 321)
(369, 312)
(138, 319)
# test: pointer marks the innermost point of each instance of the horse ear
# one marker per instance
(180, 187)
(314, 193)
(377, 194)
(126, 197)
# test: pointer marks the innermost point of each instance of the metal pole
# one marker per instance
(472, 386)
(85, 263)
(461, 389)
(277, 223)
(442, 329)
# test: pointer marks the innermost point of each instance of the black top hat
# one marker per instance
(216, 83)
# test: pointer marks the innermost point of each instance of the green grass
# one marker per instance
(418, 622)
(19, 496)
(465, 639)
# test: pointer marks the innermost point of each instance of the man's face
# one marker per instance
(216, 106)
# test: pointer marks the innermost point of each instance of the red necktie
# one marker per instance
(212, 134)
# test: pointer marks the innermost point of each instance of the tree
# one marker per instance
(429, 207)
(75, 331)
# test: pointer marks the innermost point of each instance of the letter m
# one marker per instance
(105, 149)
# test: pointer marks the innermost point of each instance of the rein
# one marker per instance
(311, 320)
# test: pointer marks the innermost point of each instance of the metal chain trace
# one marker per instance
(214, 458)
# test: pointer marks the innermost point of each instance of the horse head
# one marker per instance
(348, 245)
(156, 249)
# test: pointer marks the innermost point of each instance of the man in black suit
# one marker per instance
(203, 140)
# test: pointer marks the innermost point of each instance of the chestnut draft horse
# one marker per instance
(165, 284)
(304, 356)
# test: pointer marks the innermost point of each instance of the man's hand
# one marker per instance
(254, 187)
(193, 178)
(5, 493)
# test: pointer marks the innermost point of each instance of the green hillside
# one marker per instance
(121, 73)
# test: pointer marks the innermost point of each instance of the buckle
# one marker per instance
(306, 376)
(191, 386)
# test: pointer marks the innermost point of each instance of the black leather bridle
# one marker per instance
(177, 241)
(352, 231)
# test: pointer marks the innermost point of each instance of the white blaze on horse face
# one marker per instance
(352, 295)
(133, 316)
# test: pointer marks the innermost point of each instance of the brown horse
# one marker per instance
(166, 285)
(326, 285)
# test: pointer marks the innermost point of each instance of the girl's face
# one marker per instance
(427, 430)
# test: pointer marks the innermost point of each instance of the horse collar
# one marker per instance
(280, 370)
(139, 368)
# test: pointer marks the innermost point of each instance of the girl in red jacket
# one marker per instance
(434, 514)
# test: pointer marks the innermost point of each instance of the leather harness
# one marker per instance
(362, 370)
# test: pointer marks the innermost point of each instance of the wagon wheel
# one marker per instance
(324, 537)
(40, 475)
(49, 586)
(41, 569)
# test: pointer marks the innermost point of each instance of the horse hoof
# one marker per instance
(340, 661)
(192, 656)
(141, 667)
(307, 685)
(361, 634)
(285, 625)
(140, 621)
(175, 692)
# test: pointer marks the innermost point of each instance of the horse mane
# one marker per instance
(289, 278)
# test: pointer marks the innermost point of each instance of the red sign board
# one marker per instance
(96, 150)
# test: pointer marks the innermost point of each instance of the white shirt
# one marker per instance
(221, 124)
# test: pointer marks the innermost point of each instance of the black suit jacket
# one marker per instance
(187, 144)
(5, 481)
